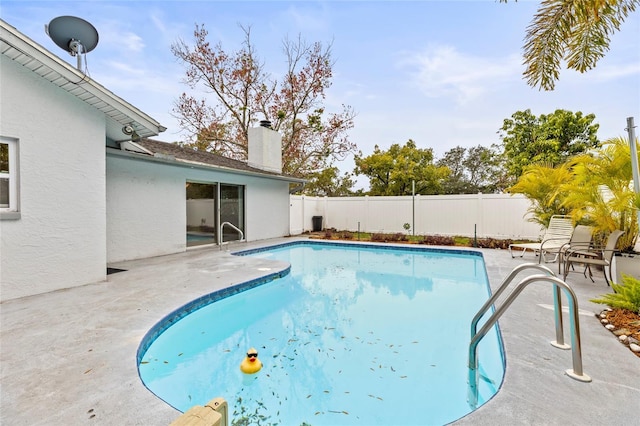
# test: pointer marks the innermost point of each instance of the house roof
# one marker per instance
(21, 49)
(153, 150)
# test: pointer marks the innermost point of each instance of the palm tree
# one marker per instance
(541, 184)
(577, 31)
(601, 192)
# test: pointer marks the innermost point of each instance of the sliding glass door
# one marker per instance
(210, 206)
(201, 213)
(232, 212)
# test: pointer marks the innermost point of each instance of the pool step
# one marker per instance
(214, 413)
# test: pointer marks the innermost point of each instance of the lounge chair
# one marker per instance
(602, 257)
(580, 240)
(557, 234)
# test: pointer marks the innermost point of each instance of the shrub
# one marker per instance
(399, 236)
(378, 237)
(493, 243)
(346, 235)
(438, 240)
(328, 234)
(626, 296)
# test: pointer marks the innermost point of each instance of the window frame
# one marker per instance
(13, 210)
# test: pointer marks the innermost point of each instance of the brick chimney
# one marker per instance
(265, 148)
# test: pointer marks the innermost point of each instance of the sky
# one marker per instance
(442, 73)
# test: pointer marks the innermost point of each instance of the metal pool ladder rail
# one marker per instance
(476, 336)
(231, 225)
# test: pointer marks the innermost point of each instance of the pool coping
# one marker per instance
(407, 247)
(69, 356)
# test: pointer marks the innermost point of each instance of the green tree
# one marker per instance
(328, 183)
(577, 32)
(393, 172)
(600, 192)
(244, 93)
(548, 139)
(472, 170)
(456, 182)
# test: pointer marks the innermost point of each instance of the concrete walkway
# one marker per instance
(69, 357)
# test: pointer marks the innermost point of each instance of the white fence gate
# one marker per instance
(483, 215)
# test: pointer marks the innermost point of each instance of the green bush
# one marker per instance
(626, 296)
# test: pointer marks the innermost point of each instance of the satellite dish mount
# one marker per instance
(75, 35)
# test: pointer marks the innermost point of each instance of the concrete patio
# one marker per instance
(69, 357)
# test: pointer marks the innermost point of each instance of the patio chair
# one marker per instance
(594, 257)
(580, 240)
(557, 234)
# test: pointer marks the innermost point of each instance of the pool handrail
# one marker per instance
(557, 303)
(235, 228)
(576, 373)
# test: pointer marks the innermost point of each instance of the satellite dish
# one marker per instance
(75, 35)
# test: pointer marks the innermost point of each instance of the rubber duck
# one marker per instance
(251, 364)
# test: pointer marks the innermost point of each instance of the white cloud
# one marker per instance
(443, 71)
(609, 72)
(125, 78)
(158, 19)
(131, 42)
(307, 19)
(127, 69)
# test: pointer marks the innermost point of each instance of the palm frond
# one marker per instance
(544, 45)
(588, 42)
(578, 31)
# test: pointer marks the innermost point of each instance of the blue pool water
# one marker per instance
(354, 334)
(199, 237)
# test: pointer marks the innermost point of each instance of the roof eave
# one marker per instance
(170, 160)
(28, 53)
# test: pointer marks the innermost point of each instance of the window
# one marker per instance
(9, 178)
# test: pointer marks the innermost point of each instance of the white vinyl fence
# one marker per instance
(484, 215)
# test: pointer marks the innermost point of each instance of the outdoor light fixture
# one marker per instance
(130, 131)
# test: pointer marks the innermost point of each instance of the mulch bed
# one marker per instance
(625, 323)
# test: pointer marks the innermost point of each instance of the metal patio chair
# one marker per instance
(594, 256)
(557, 234)
(580, 240)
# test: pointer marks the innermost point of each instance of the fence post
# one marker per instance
(417, 219)
(479, 213)
(365, 228)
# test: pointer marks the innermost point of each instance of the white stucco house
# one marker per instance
(77, 193)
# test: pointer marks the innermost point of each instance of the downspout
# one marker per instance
(298, 187)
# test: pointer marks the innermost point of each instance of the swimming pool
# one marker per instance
(354, 334)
